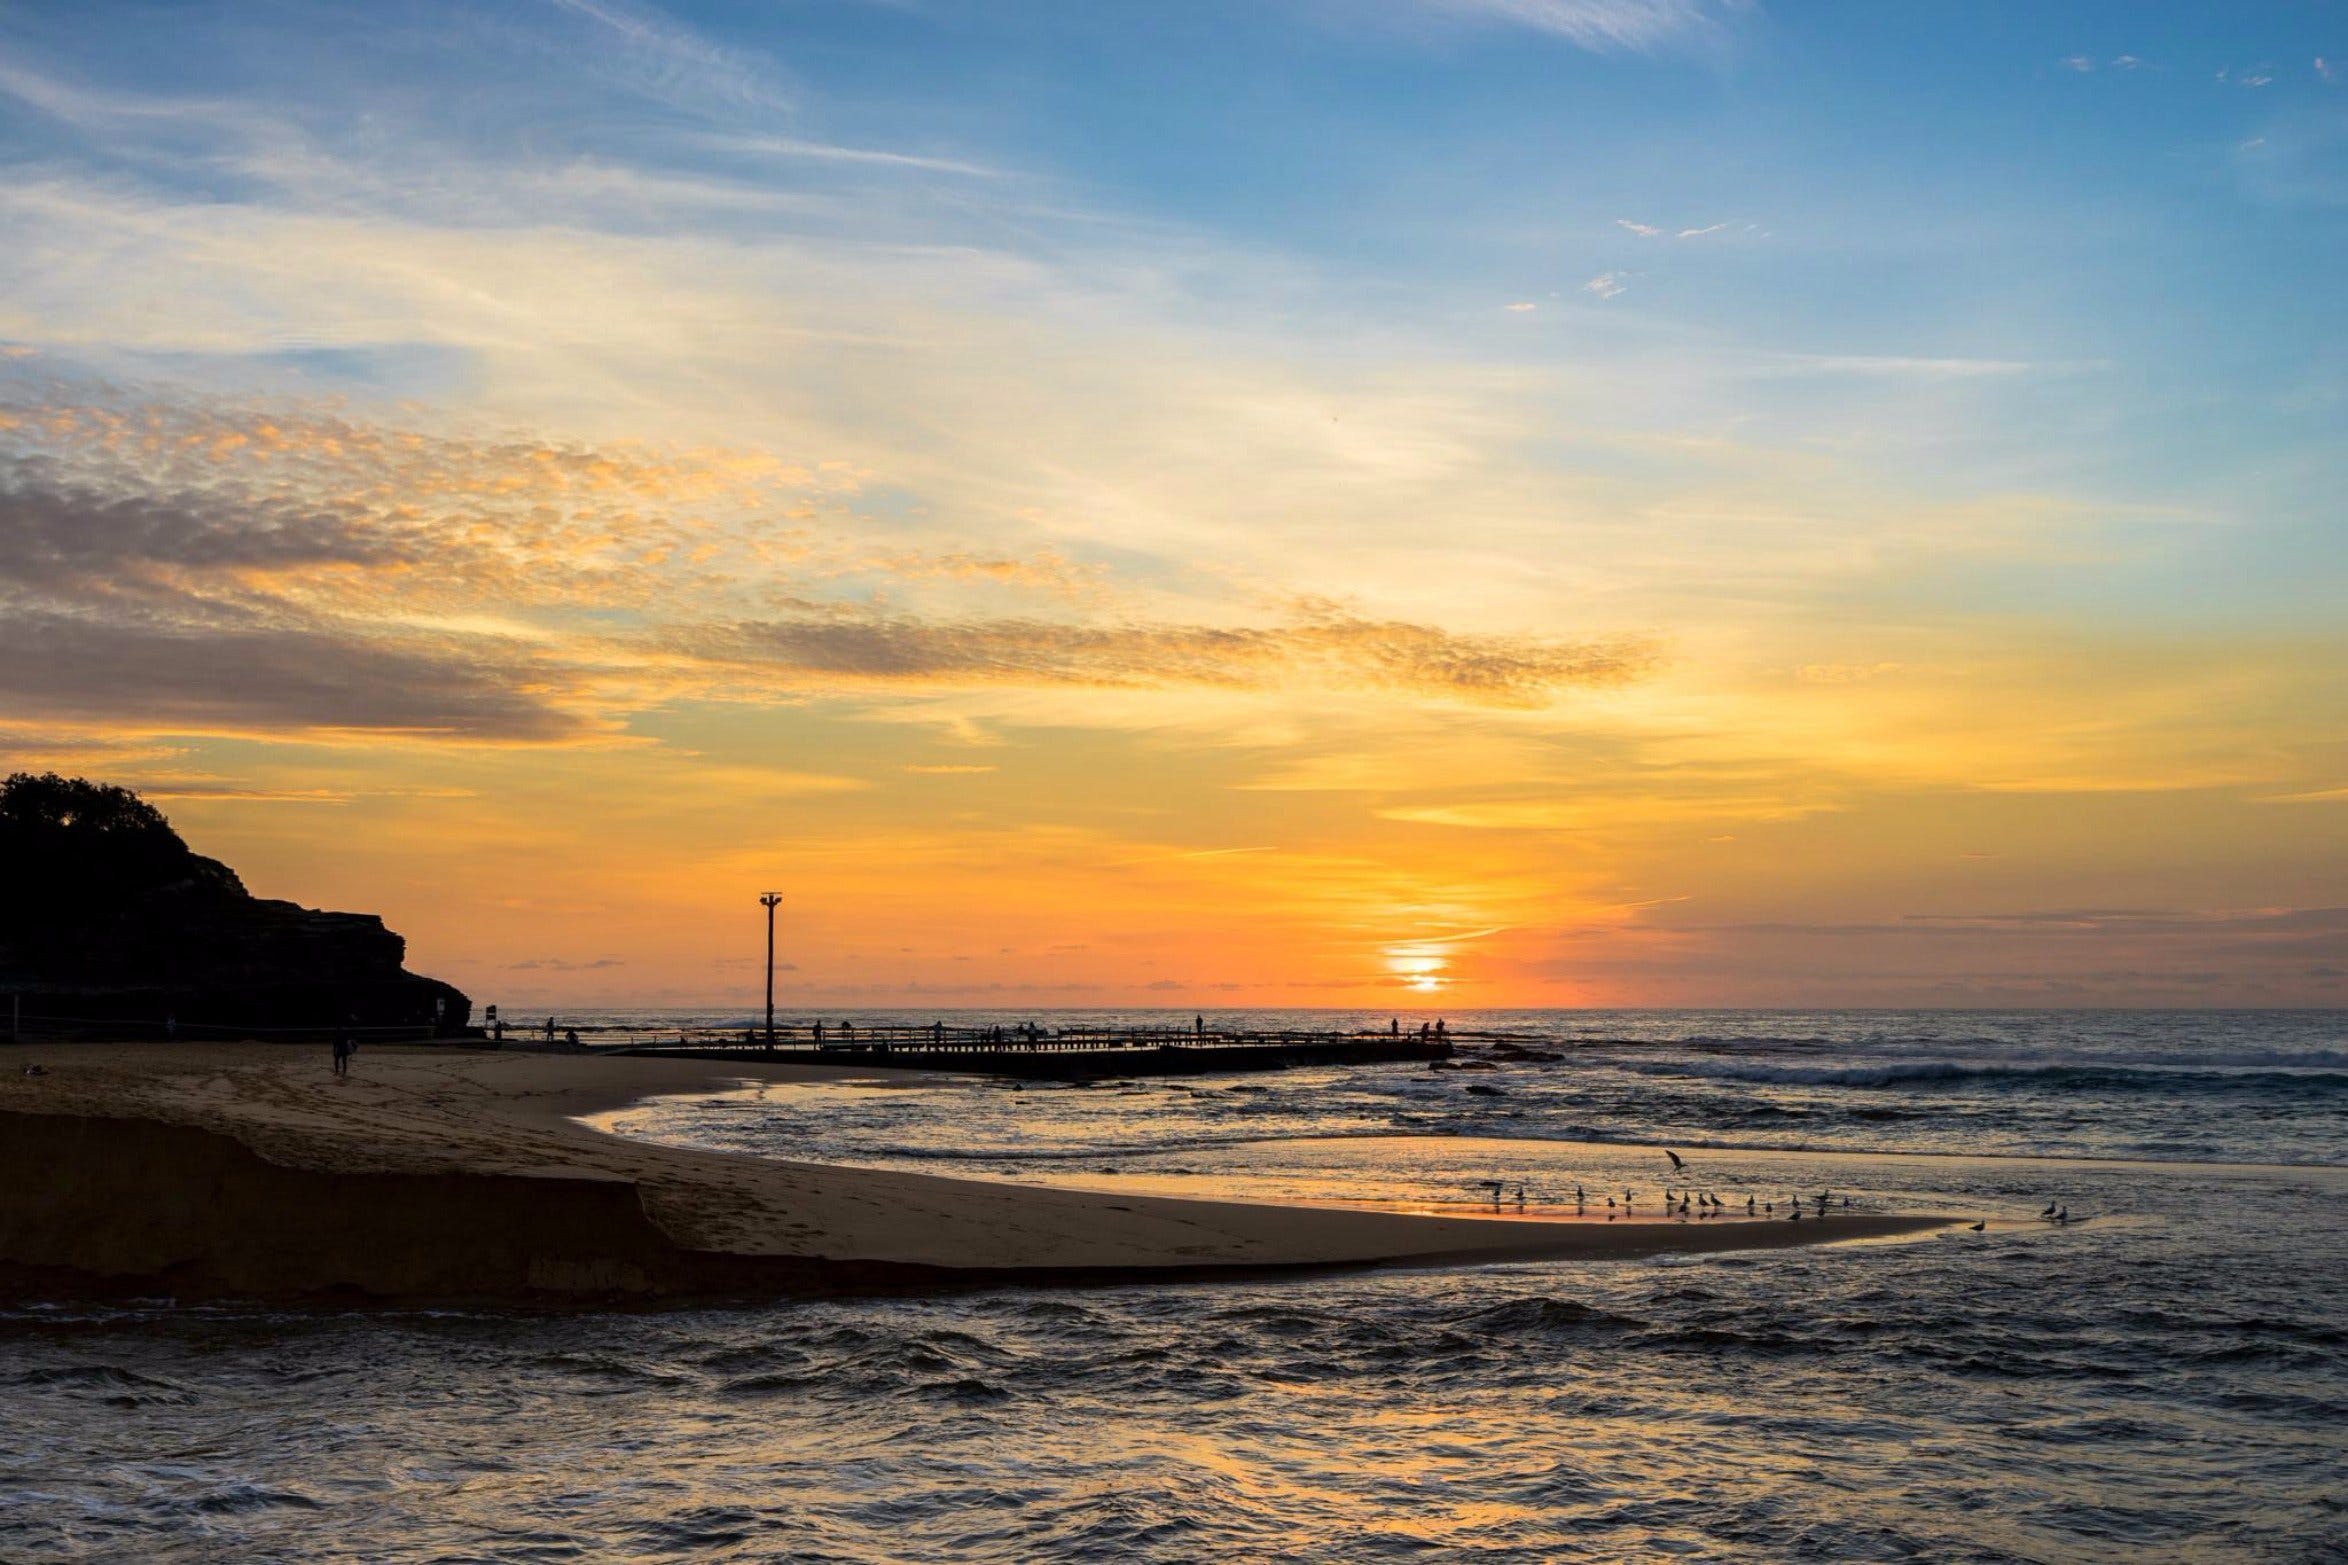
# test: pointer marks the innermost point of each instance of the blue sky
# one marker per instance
(2145, 202)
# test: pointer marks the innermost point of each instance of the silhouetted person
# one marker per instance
(1393, 1026)
(571, 1036)
(342, 1052)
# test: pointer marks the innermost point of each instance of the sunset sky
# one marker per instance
(1397, 503)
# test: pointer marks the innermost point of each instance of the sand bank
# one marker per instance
(249, 1170)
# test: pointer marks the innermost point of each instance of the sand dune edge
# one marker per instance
(243, 1172)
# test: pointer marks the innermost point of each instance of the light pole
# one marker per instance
(768, 902)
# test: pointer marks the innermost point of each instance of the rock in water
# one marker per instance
(109, 922)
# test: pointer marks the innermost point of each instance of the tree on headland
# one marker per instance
(106, 900)
(70, 847)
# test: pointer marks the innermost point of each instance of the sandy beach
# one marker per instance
(232, 1170)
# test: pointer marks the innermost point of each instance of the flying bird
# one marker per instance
(1677, 1162)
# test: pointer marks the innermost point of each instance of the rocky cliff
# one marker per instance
(109, 922)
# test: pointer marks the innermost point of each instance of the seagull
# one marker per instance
(1495, 1186)
(1748, 1206)
(1984, 1223)
(1520, 1195)
(1578, 1197)
(1797, 1217)
(1610, 1202)
(2050, 1210)
(2063, 1216)
(1677, 1162)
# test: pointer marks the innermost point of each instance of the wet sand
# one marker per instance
(427, 1174)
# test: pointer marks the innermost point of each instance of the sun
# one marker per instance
(1420, 969)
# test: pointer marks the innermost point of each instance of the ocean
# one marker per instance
(2165, 1376)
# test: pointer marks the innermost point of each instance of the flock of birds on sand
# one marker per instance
(1703, 1203)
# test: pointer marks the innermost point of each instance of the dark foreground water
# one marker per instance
(2165, 1378)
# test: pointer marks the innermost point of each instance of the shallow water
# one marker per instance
(2162, 1379)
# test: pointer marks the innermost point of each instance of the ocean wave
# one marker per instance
(1941, 1045)
(2108, 1077)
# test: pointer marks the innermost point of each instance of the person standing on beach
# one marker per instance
(342, 1052)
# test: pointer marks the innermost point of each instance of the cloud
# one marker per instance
(657, 55)
(2130, 62)
(52, 536)
(1652, 231)
(1607, 284)
(2324, 69)
(1414, 660)
(2293, 923)
(212, 791)
(2312, 796)
(1637, 25)
(1893, 364)
(948, 770)
(556, 964)
(1522, 307)
(827, 152)
(2079, 62)
(177, 674)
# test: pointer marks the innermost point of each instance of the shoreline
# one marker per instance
(433, 1175)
